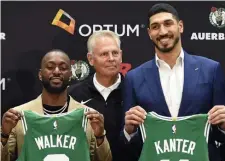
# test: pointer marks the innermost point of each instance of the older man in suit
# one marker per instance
(174, 83)
(55, 75)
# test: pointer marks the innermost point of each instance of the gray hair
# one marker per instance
(98, 34)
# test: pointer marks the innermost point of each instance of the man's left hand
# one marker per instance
(96, 121)
(217, 116)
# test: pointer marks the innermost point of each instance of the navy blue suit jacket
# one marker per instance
(204, 87)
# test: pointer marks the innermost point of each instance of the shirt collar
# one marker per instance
(180, 58)
(100, 87)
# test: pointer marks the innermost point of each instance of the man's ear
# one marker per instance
(40, 75)
(121, 52)
(90, 58)
(71, 74)
(149, 33)
(181, 26)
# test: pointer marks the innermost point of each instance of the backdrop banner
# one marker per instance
(30, 29)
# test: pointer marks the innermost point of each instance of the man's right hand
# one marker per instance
(133, 118)
(9, 120)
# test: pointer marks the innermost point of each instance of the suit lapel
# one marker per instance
(191, 73)
(74, 104)
(37, 107)
(152, 78)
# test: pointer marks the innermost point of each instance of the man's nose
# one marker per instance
(57, 70)
(111, 57)
(163, 30)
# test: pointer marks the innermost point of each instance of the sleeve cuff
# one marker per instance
(4, 152)
(221, 130)
(103, 151)
(129, 137)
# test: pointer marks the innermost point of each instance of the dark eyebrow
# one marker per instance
(61, 63)
(167, 20)
(155, 23)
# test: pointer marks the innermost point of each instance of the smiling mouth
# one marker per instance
(164, 41)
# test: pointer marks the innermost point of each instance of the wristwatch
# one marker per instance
(102, 136)
(5, 136)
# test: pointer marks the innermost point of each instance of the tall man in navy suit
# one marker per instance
(174, 83)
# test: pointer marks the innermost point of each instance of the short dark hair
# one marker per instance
(51, 51)
(162, 7)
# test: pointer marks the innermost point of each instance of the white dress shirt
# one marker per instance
(172, 81)
(105, 91)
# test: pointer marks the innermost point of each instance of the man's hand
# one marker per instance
(134, 117)
(96, 121)
(9, 120)
(217, 116)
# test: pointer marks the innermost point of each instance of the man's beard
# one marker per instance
(165, 50)
(54, 90)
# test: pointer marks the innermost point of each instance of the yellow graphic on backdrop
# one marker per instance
(69, 28)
